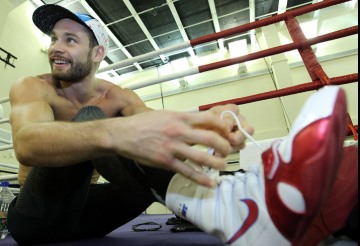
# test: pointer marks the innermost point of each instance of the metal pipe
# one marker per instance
(4, 100)
(5, 141)
(8, 177)
(6, 147)
(5, 120)
(11, 166)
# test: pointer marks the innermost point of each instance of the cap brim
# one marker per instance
(46, 16)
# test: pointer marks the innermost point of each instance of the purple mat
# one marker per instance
(125, 236)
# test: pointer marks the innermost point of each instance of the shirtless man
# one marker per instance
(68, 124)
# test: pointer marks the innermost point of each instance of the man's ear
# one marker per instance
(99, 53)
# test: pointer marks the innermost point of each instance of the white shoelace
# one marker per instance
(214, 174)
(240, 127)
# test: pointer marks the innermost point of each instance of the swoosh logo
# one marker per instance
(248, 222)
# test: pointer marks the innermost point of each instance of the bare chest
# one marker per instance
(65, 110)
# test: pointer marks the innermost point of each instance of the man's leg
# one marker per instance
(57, 204)
(50, 201)
(273, 203)
(132, 189)
(117, 169)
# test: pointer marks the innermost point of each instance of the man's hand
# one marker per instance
(235, 137)
(163, 139)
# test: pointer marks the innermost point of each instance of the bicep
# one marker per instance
(28, 105)
(25, 114)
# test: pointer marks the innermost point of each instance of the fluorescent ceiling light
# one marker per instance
(238, 48)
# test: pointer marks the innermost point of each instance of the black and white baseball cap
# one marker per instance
(46, 16)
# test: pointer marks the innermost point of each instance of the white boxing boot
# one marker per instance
(272, 203)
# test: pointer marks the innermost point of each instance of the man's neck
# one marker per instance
(80, 92)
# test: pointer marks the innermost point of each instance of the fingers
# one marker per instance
(226, 121)
(202, 158)
(193, 174)
(197, 158)
(207, 120)
(238, 138)
(209, 139)
(221, 108)
(192, 170)
(237, 124)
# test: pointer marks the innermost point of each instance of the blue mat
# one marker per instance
(125, 236)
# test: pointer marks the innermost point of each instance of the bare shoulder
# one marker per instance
(125, 99)
(114, 92)
(32, 81)
(32, 86)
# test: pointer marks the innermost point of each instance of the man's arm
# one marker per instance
(237, 139)
(155, 138)
(39, 140)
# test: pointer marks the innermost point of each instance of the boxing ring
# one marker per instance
(300, 43)
(6, 145)
(124, 235)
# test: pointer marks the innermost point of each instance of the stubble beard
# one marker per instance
(77, 72)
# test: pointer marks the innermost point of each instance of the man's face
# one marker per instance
(70, 56)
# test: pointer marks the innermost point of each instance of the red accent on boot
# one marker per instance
(316, 155)
(338, 206)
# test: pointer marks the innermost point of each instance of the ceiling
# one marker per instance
(138, 27)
